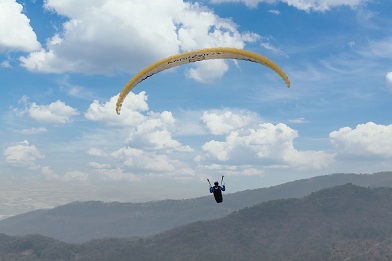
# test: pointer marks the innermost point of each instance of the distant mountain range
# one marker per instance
(345, 222)
(79, 222)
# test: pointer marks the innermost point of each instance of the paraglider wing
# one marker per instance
(194, 56)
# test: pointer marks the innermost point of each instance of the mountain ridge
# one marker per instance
(345, 222)
(79, 222)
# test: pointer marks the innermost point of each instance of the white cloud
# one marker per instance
(117, 174)
(249, 3)
(99, 171)
(268, 44)
(127, 155)
(351, 44)
(131, 110)
(15, 30)
(75, 90)
(56, 112)
(73, 175)
(273, 49)
(367, 141)
(218, 150)
(96, 165)
(32, 131)
(298, 120)
(97, 152)
(268, 145)
(228, 170)
(147, 129)
(273, 11)
(49, 173)
(6, 64)
(223, 122)
(207, 71)
(155, 133)
(188, 123)
(152, 163)
(389, 80)
(306, 5)
(316, 5)
(23, 155)
(381, 48)
(141, 160)
(119, 28)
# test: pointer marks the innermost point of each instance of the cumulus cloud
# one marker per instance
(131, 110)
(23, 155)
(15, 29)
(310, 5)
(117, 174)
(367, 141)
(223, 122)
(99, 171)
(139, 159)
(73, 175)
(96, 165)
(56, 112)
(155, 133)
(207, 71)
(269, 145)
(389, 80)
(49, 174)
(152, 163)
(119, 28)
(146, 128)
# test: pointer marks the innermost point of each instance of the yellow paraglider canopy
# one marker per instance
(194, 56)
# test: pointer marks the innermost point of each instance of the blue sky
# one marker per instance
(63, 64)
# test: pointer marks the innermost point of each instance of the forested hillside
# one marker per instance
(341, 223)
(82, 221)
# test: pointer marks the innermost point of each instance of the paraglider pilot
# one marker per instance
(217, 190)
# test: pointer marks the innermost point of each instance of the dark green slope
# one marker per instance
(341, 223)
(82, 221)
(318, 227)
